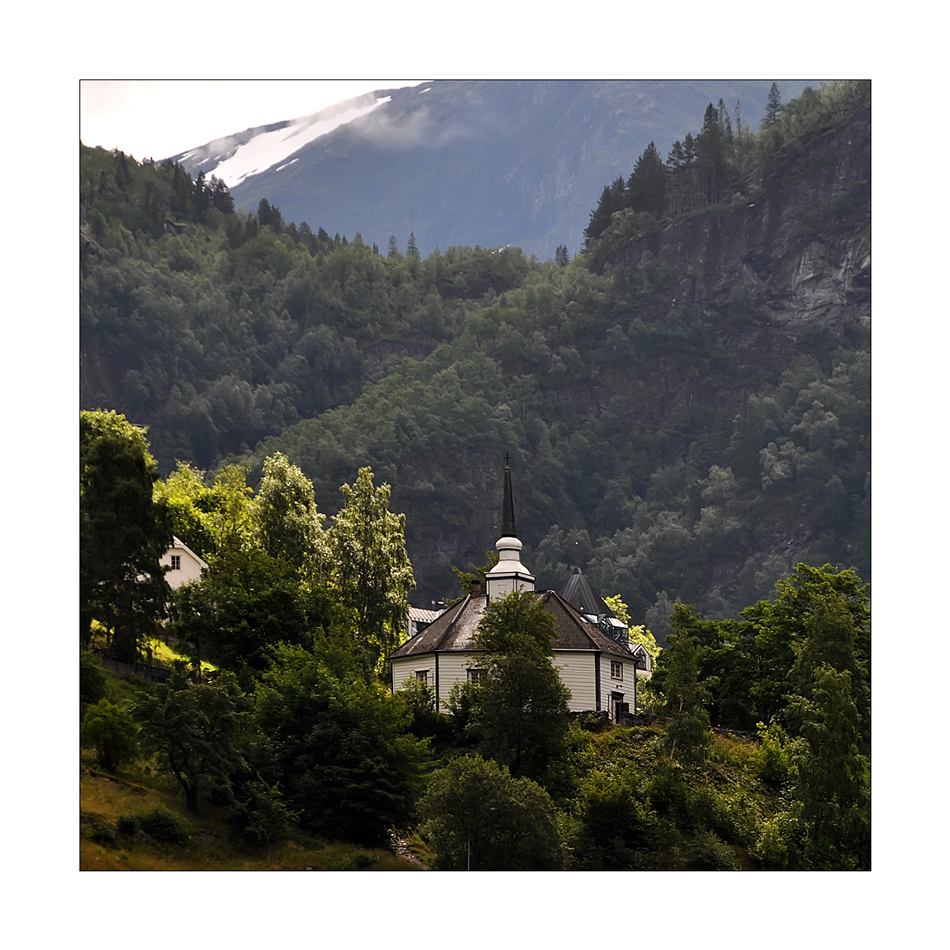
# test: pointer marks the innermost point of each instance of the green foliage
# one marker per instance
(820, 615)
(267, 556)
(717, 165)
(479, 817)
(618, 827)
(425, 722)
(521, 711)
(628, 410)
(198, 732)
(686, 736)
(834, 778)
(371, 570)
(344, 756)
(286, 518)
(129, 825)
(92, 680)
(162, 824)
(709, 853)
(773, 760)
(111, 732)
(122, 534)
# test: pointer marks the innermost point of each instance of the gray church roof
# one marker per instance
(455, 630)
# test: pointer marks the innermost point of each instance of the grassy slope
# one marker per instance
(104, 798)
(138, 789)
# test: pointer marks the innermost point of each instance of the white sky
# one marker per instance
(160, 118)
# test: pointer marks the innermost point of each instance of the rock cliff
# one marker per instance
(797, 249)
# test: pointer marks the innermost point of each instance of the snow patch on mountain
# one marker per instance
(269, 148)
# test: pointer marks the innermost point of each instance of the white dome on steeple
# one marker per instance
(509, 574)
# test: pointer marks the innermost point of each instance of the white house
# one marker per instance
(183, 564)
(591, 652)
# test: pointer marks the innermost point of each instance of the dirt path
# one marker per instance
(402, 849)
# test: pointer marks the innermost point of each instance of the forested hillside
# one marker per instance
(686, 403)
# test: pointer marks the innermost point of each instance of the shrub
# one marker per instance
(129, 825)
(103, 832)
(164, 825)
(773, 763)
(593, 721)
(478, 816)
(777, 847)
(92, 678)
(110, 731)
(711, 853)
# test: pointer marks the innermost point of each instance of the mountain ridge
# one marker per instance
(480, 162)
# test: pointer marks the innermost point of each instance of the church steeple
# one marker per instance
(508, 529)
(509, 574)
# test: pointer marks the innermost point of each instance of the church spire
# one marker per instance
(508, 529)
(509, 573)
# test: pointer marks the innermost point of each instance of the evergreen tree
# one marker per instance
(710, 149)
(833, 776)
(612, 199)
(773, 107)
(686, 735)
(412, 249)
(646, 189)
(221, 196)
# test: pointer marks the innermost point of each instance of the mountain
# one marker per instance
(686, 403)
(488, 163)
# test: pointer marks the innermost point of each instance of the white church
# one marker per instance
(596, 661)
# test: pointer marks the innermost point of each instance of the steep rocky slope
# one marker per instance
(798, 249)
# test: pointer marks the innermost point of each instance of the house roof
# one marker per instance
(423, 614)
(454, 631)
(178, 543)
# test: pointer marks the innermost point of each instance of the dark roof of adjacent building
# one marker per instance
(454, 630)
(582, 597)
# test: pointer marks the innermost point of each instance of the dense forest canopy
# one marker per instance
(677, 449)
(326, 422)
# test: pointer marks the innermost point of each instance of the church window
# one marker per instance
(176, 562)
(616, 669)
(422, 676)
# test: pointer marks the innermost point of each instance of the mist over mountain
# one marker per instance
(488, 163)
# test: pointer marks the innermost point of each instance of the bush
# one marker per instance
(103, 832)
(478, 816)
(593, 721)
(129, 825)
(92, 678)
(161, 824)
(710, 853)
(110, 731)
(777, 846)
(773, 763)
